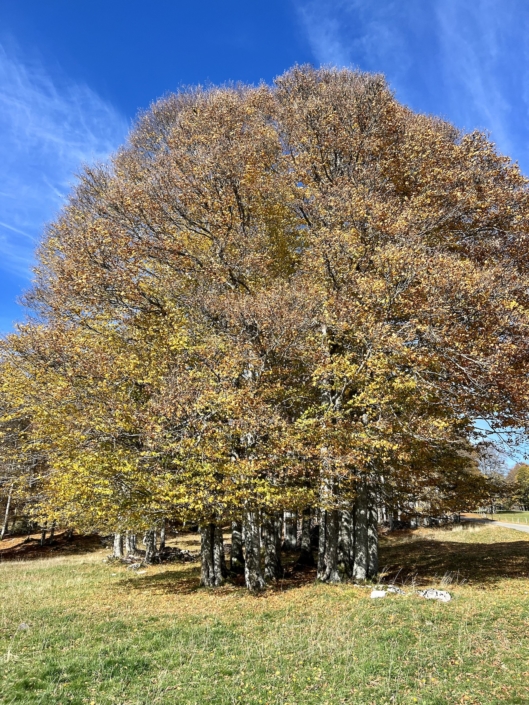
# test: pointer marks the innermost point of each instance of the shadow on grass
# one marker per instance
(187, 581)
(24, 548)
(424, 560)
(175, 582)
(419, 560)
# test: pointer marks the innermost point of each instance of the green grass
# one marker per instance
(516, 517)
(98, 634)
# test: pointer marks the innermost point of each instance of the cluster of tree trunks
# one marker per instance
(130, 543)
(126, 544)
(347, 545)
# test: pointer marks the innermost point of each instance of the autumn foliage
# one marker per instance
(276, 298)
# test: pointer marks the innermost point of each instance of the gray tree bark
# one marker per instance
(219, 559)
(162, 537)
(273, 570)
(149, 540)
(252, 545)
(329, 526)
(6, 518)
(328, 553)
(306, 557)
(213, 568)
(360, 567)
(236, 555)
(207, 570)
(372, 537)
(322, 542)
(118, 546)
(130, 543)
(346, 542)
(290, 522)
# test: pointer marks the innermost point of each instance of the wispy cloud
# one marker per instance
(365, 34)
(48, 128)
(466, 60)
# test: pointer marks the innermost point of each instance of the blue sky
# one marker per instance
(73, 75)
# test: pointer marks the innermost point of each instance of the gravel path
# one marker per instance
(517, 527)
(506, 525)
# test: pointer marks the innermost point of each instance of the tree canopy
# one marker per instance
(276, 297)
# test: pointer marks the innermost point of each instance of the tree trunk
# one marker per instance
(6, 518)
(219, 560)
(162, 537)
(252, 544)
(290, 521)
(236, 555)
(213, 568)
(273, 570)
(149, 540)
(207, 570)
(321, 542)
(331, 548)
(346, 543)
(328, 558)
(130, 544)
(43, 535)
(372, 537)
(52, 533)
(118, 546)
(306, 556)
(360, 569)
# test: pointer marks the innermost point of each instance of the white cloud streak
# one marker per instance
(464, 59)
(48, 129)
(467, 60)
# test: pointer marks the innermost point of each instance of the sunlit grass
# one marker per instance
(97, 633)
(516, 517)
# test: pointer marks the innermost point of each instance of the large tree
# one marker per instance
(347, 283)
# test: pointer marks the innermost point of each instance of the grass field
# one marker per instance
(516, 517)
(77, 630)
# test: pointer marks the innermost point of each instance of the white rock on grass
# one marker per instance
(432, 594)
(378, 593)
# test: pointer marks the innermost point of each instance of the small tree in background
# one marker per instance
(518, 482)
